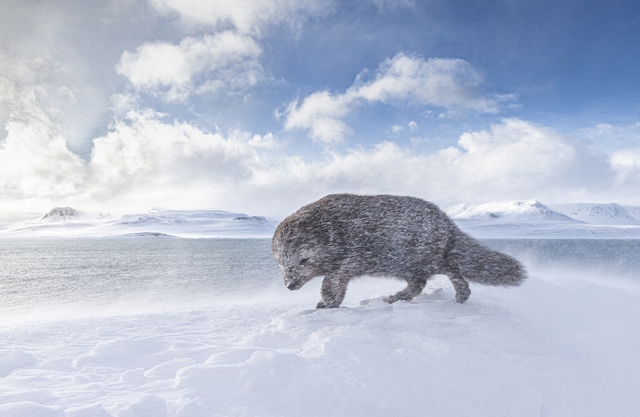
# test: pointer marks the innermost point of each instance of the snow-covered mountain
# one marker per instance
(532, 219)
(610, 214)
(68, 222)
(633, 211)
(66, 214)
(197, 223)
(529, 219)
(508, 211)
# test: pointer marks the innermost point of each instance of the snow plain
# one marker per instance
(556, 346)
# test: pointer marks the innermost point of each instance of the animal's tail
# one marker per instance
(477, 263)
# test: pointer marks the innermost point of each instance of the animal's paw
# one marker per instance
(324, 304)
(390, 299)
(461, 297)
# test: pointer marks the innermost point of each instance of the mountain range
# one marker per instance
(502, 219)
(532, 219)
(156, 223)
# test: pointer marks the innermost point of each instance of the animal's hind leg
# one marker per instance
(461, 286)
(333, 290)
(413, 289)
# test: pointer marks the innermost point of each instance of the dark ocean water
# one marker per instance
(605, 258)
(50, 273)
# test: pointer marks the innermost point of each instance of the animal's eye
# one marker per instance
(304, 261)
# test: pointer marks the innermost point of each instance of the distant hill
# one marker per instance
(66, 214)
(69, 222)
(531, 219)
(508, 211)
(610, 214)
(62, 213)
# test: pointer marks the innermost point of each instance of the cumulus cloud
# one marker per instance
(513, 159)
(627, 166)
(145, 160)
(250, 16)
(223, 61)
(402, 80)
(35, 162)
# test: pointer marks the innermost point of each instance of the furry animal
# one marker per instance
(343, 236)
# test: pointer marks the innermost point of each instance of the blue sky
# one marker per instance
(264, 105)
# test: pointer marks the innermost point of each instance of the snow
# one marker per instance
(528, 219)
(68, 222)
(559, 345)
(531, 219)
(613, 214)
(529, 210)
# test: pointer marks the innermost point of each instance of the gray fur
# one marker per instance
(343, 236)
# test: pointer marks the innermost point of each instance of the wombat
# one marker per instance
(343, 236)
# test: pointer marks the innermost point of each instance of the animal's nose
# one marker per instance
(292, 286)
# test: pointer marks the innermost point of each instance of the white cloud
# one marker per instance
(144, 161)
(609, 136)
(35, 162)
(224, 61)
(401, 80)
(248, 16)
(514, 159)
(392, 4)
(626, 163)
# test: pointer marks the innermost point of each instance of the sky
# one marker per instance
(262, 106)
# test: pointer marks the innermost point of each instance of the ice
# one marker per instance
(559, 345)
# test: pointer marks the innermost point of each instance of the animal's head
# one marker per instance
(297, 265)
(296, 257)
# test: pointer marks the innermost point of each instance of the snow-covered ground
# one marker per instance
(531, 219)
(68, 222)
(559, 345)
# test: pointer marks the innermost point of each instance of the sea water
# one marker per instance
(46, 274)
(49, 274)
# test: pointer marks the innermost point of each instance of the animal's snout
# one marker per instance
(294, 284)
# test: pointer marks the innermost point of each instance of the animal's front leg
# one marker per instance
(334, 288)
